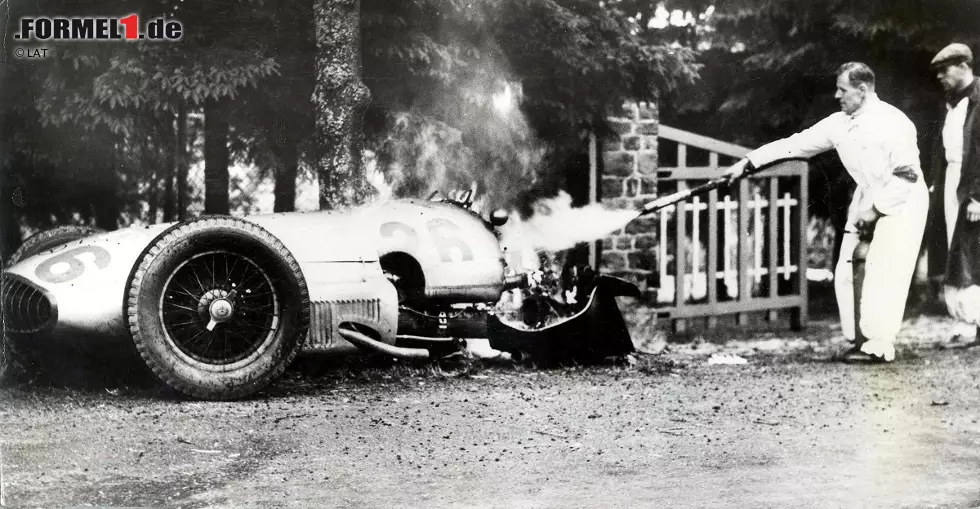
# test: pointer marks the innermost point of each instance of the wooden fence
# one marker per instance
(736, 251)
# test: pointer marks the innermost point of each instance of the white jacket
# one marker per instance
(872, 143)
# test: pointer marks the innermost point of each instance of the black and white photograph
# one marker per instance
(490, 254)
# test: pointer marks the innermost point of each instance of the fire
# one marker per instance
(505, 100)
(376, 178)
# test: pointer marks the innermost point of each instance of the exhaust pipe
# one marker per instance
(364, 341)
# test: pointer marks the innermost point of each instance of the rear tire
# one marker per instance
(217, 307)
(42, 241)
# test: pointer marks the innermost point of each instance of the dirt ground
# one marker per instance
(788, 428)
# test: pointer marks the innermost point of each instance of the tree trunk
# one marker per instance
(288, 153)
(107, 210)
(340, 99)
(170, 170)
(182, 163)
(11, 199)
(215, 158)
(106, 202)
(148, 163)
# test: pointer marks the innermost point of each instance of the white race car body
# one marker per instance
(85, 281)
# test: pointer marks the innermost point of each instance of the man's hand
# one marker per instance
(866, 220)
(973, 211)
(736, 170)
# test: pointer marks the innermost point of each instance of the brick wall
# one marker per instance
(629, 179)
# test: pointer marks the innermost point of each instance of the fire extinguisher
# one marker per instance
(859, 260)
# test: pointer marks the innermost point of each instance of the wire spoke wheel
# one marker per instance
(227, 292)
(217, 307)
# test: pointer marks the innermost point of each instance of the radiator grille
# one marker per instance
(26, 309)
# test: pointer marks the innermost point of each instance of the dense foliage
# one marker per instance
(103, 132)
(461, 91)
(500, 93)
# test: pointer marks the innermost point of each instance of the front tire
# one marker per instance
(42, 241)
(217, 307)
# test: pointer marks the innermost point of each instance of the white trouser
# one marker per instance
(964, 304)
(887, 274)
(951, 204)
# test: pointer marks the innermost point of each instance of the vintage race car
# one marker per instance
(219, 306)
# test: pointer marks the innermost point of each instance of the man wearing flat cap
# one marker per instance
(956, 185)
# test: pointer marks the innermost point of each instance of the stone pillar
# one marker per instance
(629, 179)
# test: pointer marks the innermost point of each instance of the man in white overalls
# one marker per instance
(877, 145)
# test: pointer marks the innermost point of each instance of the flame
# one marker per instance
(376, 178)
(504, 101)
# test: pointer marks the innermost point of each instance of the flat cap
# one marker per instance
(952, 55)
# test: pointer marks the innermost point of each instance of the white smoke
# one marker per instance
(479, 134)
(555, 225)
(475, 136)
